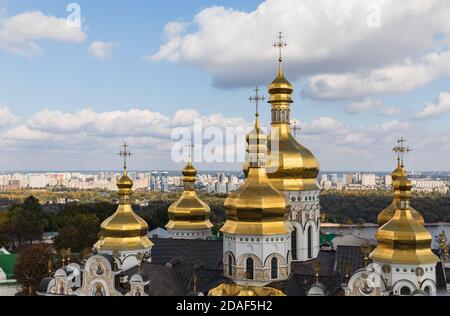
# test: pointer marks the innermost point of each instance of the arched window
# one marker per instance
(405, 291)
(310, 242)
(250, 273)
(294, 244)
(230, 265)
(274, 268)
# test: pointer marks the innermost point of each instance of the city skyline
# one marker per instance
(106, 82)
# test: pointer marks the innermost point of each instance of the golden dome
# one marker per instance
(291, 167)
(124, 230)
(189, 212)
(404, 240)
(256, 208)
(402, 192)
(229, 290)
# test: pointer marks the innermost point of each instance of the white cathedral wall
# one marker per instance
(190, 234)
(261, 249)
(404, 275)
(305, 213)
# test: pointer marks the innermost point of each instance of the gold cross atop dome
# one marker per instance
(125, 153)
(280, 45)
(296, 127)
(256, 99)
(190, 147)
(401, 150)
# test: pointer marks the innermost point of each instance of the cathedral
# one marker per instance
(271, 240)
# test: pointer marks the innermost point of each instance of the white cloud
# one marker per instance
(101, 50)
(6, 117)
(24, 133)
(436, 109)
(20, 34)
(88, 139)
(369, 104)
(388, 111)
(173, 29)
(392, 78)
(325, 38)
(362, 106)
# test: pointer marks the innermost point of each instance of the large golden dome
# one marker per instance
(124, 230)
(292, 167)
(189, 212)
(257, 208)
(402, 191)
(404, 240)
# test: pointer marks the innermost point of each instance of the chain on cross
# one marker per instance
(401, 149)
(257, 98)
(125, 153)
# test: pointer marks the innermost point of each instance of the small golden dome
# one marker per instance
(256, 208)
(189, 212)
(402, 191)
(404, 240)
(189, 172)
(124, 230)
(280, 89)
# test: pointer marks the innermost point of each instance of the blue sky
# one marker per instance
(357, 89)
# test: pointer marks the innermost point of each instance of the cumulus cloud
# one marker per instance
(101, 50)
(88, 138)
(392, 78)
(21, 33)
(436, 109)
(223, 41)
(371, 103)
(6, 117)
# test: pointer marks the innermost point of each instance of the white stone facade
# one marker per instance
(202, 234)
(256, 260)
(402, 279)
(128, 259)
(305, 218)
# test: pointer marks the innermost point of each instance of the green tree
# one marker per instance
(32, 267)
(77, 228)
(26, 222)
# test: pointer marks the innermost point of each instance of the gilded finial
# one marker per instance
(401, 150)
(50, 267)
(256, 99)
(366, 248)
(125, 153)
(317, 269)
(280, 45)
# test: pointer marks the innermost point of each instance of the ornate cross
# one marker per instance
(401, 150)
(125, 153)
(190, 147)
(256, 99)
(280, 45)
(296, 127)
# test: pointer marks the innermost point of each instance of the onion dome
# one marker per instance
(124, 230)
(256, 208)
(189, 212)
(292, 167)
(402, 192)
(403, 240)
